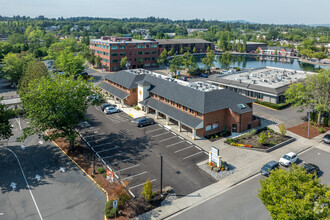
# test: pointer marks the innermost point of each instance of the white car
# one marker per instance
(111, 109)
(288, 159)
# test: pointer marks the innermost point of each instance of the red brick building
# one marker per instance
(200, 108)
(187, 44)
(139, 53)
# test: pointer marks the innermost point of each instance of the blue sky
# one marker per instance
(261, 11)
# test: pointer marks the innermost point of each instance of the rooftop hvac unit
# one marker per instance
(254, 82)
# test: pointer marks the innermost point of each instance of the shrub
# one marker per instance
(216, 135)
(137, 107)
(108, 208)
(147, 190)
(272, 143)
(100, 170)
(321, 129)
(229, 140)
(282, 129)
(253, 132)
(92, 176)
(262, 138)
(104, 175)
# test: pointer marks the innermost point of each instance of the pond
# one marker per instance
(253, 61)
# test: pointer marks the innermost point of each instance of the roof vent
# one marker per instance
(241, 106)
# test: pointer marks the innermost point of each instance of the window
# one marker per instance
(140, 46)
(114, 47)
(208, 128)
(147, 52)
(154, 58)
(215, 125)
(114, 54)
(122, 47)
(233, 127)
(140, 52)
(147, 65)
(114, 61)
(122, 54)
(199, 114)
(154, 45)
(154, 52)
(134, 90)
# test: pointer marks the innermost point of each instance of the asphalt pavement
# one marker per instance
(241, 201)
(40, 182)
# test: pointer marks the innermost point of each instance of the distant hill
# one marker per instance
(240, 21)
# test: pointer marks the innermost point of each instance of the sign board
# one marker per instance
(214, 155)
(109, 175)
(115, 204)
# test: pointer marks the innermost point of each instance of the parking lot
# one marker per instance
(134, 153)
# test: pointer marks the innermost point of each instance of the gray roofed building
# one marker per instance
(114, 91)
(125, 78)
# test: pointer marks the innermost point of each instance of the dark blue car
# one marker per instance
(272, 165)
(204, 75)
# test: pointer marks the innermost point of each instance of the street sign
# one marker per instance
(109, 175)
(115, 204)
(214, 155)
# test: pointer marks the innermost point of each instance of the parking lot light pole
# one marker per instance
(161, 174)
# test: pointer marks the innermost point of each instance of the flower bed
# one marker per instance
(262, 139)
(218, 136)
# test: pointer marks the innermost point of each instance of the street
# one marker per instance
(241, 201)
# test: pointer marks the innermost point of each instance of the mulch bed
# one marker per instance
(302, 130)
(82, 155)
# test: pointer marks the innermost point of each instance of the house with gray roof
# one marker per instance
(198, 107)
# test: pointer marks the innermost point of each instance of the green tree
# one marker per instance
(226, 59)
(5, 126)
(320, 55)
(276, 53)
(208, 60)
(189, 62)
(181, 50)
(244, 45)
(294, 194)
(282, 129)
(162, 57)
(15, 65)
(98, 62)
(147, 189)
(257, 51)
(70, 63)
(172, 52)
(57, 104)
(34, 70)
(194, 50)
(176, 64)
(49, 39)
(123, 62)
(313, 93)
(262, 138)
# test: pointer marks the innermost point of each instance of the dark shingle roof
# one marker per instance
(113, 90)
(203, 102)
(125, 79)
(176, 114)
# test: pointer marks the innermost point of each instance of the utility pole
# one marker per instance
(161, 174)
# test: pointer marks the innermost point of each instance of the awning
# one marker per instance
(113, 90)
(178, 115)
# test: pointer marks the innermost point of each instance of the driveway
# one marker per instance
(134, 153)
(42, 183)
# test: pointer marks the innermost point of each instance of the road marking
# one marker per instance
(206, 153)
(154, 130)
(139, 174)
(192, 155)
(113, 148)
(167, 129)
(100, 145)
(19, 123)
(167, 139)
(181, 137)
(101, 139)
(189, 142)
(141, 184)
(2, 213)
(173, 133)
(160, 125)
(175, 144)
(92, 135)
(112, 155)
(27, 184)
(198, 148)
(182, 149)
(127, 168)
(160, 134)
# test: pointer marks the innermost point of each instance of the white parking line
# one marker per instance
(101, 139)
(198, 148)
(127, 168)
(100, 145)
(109, 149)
(173, 133)
(175, 144)
(154, 130)
(160, 134)
(112, 155)
(189, 142)
(160, 125)
(141, 184)
(19, 123)
(192, 155)
(119, 161)
(129, 177)
(182, 149)
(92, 135)
(181, 137)
(167, 129)
(167, 139)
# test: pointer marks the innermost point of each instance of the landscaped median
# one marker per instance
(128, 207)
(265, 139)
(272, 105)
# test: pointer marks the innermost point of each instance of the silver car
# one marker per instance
(326, 139)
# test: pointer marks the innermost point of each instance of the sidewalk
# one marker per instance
(247, 163)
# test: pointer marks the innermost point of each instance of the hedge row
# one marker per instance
(272, 105)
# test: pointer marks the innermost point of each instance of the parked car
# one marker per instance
(204, 75)
(104, 106)
(111, 109)
(311, 168)
(94, 97)
(326, 139)
(288, 159)
(265, 169)
(183, 78)
(141, 122)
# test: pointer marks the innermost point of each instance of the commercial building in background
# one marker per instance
(266, 84)
(111, 49)
(188, 44)
(250, 46)
(200, 108)
(280, 51)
